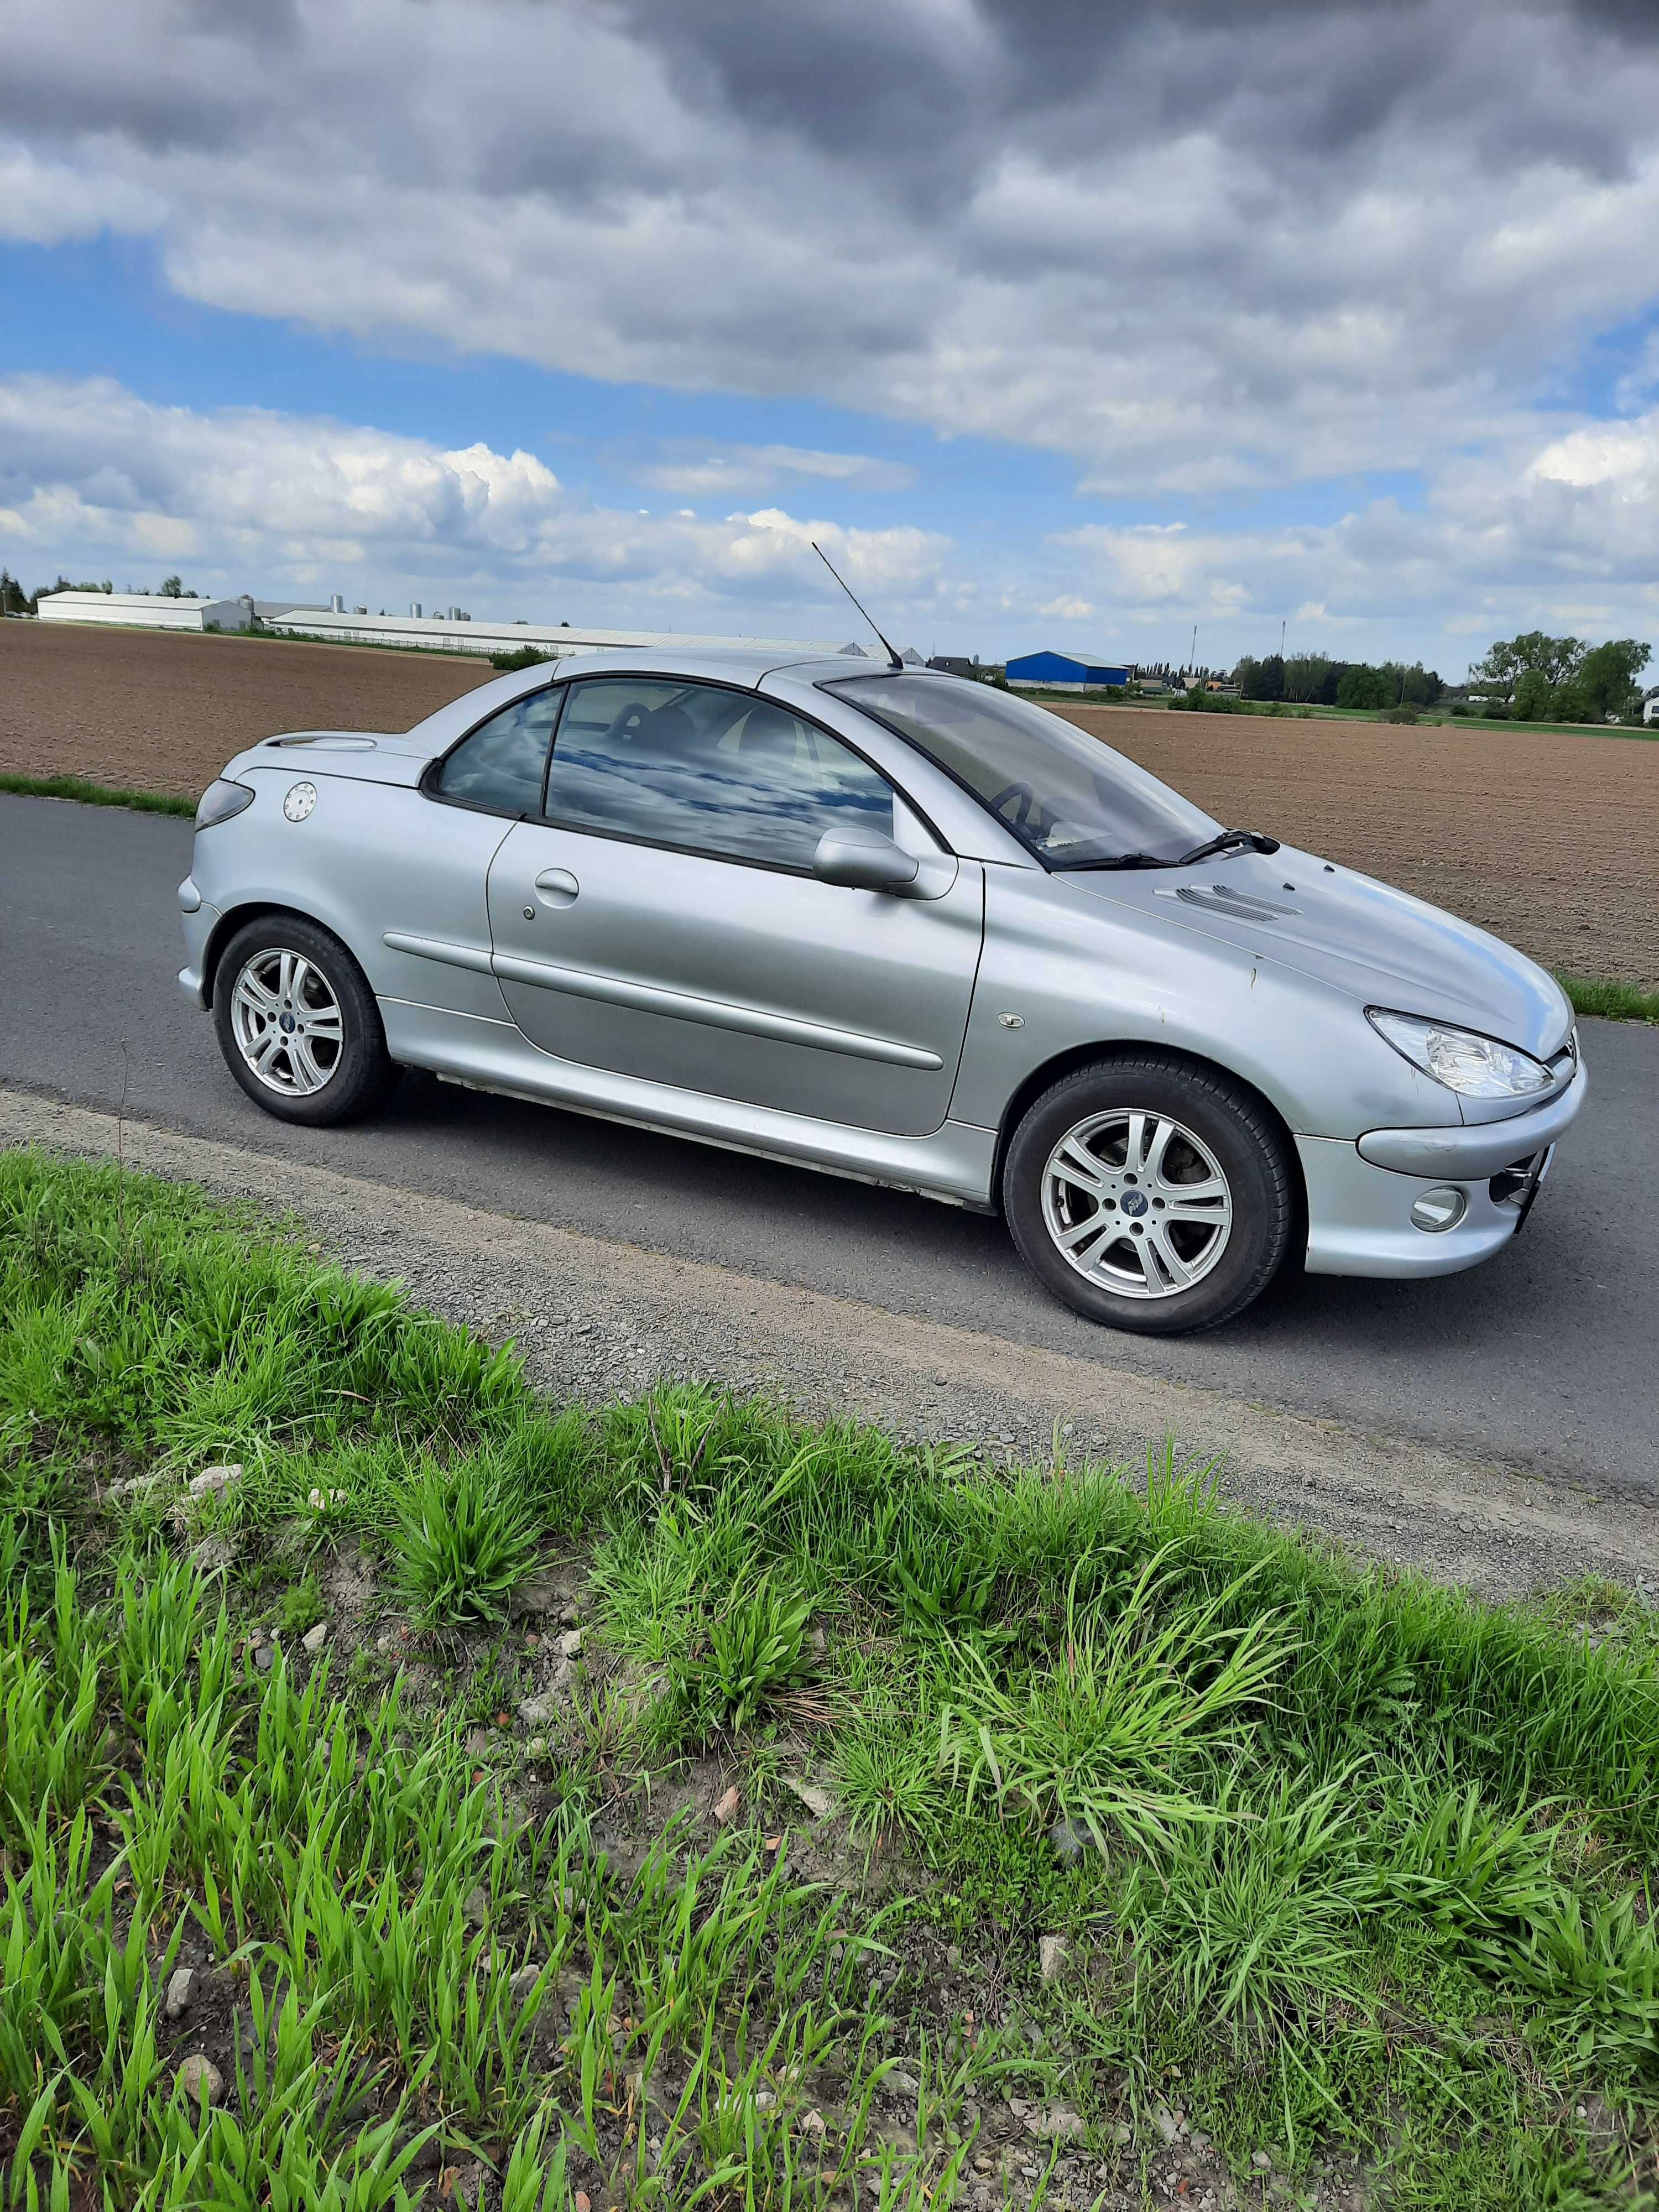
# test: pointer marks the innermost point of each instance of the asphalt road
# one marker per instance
(1547, 1359)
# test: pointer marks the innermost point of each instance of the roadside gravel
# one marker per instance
(599, 1319)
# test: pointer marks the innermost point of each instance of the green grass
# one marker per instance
(1614, 1002)
(95, 794)
(1350, 1867)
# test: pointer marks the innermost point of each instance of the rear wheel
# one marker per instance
(297, 1023)
(1150, 1195)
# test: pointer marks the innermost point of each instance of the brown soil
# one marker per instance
(145, 711)
(1548, 840)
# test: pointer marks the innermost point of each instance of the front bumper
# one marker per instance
(1360, 1196)
(1481, 1148)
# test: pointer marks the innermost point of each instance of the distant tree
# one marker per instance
(173, 587)
(1273, 677)
(1568, 703)
(1361, 686)
(1608, 677)
(14, 600)
(1557, 658)
(1532, 696)
(1248, 675)
(1412, 686)
(1304, 672)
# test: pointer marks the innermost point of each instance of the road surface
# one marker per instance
(1547, 1360)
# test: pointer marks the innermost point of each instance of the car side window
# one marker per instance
(501, 764)
(713, 771)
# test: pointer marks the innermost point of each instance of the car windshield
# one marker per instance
(1069, 799)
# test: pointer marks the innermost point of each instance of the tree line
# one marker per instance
(1561, 679)
(1314, 679)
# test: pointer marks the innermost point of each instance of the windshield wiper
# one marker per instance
(1223, 843)
(1117, 860)
(1228, 838)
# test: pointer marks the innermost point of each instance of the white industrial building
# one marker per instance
(458, 633)
(149, 610)
(454, 632)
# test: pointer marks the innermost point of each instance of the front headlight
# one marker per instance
(221, 800)
(1475, 1067)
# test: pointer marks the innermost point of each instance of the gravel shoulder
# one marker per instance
(599, 1319)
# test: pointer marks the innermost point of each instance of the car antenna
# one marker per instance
(893, 659)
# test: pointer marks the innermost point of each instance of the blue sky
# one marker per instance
(600, 313)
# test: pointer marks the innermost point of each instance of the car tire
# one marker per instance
(1151, 1194)
(281, 978)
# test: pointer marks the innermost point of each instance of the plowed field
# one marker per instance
(1551, 841)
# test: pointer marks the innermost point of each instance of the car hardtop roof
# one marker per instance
(728, 665)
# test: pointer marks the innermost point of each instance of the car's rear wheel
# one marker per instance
(297, 1023)
(1150, 1194)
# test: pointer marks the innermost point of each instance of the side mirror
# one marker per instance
(864, 861)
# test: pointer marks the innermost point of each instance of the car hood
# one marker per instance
(1380, 944)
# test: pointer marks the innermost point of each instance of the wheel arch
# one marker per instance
(238, 917)
(1074, 1057)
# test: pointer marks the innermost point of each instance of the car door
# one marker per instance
(662, 920)
(425, 875)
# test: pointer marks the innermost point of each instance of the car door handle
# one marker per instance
(557, 886)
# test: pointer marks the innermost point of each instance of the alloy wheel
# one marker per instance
(288, 1022)
(1137, 1203)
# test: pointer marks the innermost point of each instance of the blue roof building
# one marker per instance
(1070, 672)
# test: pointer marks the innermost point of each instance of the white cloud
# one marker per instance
(92, 477)
(1190, 248)
(1067, 608)
(738, 470)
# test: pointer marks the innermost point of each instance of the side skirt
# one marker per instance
(954, 1166)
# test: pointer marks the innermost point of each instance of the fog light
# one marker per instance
(1439, 1209)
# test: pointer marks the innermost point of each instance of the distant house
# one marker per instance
(1066, 671)
(952, 664)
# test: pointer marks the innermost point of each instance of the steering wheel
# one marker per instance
(628, 724)
(1021, 791)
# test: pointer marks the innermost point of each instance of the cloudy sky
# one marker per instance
(1059, 323)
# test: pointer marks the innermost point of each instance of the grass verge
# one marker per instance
(1615, 1002)
(95, 794)
(409, 1789)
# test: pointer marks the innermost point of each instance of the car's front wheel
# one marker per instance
(297, 1023)
(1150, 1194)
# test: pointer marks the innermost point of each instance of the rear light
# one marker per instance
(221, 800)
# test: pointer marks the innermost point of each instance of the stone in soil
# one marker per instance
(200, 2076)
(213, 1479)
(1053, 1951)
(315, 1637)
(725, 1806)
(181, 1991)
(1058, 2124)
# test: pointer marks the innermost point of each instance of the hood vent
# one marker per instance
(1219, 899)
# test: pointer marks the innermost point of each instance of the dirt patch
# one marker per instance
(145, 711)
(1546, 840)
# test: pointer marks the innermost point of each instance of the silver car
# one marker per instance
(897, 926)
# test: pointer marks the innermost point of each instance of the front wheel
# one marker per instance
(1150, 1195)
(297, 1023)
